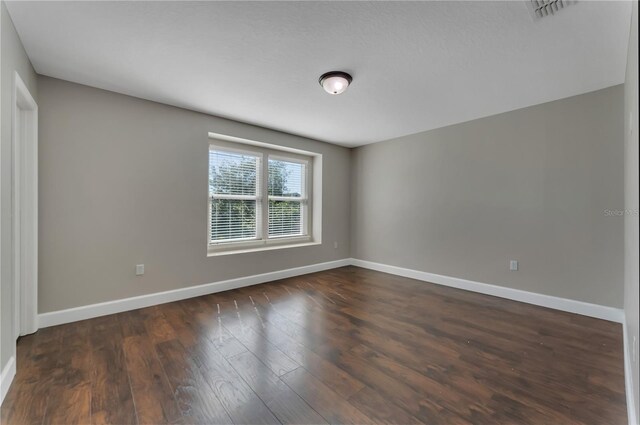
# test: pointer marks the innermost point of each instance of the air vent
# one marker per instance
(543, 8)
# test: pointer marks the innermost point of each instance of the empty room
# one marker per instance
(319, 212)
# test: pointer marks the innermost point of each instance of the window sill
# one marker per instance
(216, 252)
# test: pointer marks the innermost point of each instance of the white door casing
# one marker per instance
(25, 208)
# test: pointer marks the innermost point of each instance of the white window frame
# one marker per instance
(257, 197)
(305, 199)
(263, 241)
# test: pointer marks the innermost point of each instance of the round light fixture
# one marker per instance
(335, 82)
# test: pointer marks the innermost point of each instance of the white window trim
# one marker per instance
(311, 211)
(256, 197)
(305, 200)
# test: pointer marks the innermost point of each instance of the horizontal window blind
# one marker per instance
(286, 179)
(233, 219)
(257, 196)
(285, 218)
(234, 196)
(287, 198)
(233, 173)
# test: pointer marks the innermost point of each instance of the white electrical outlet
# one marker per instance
(139, 269)
(513, 265)
(335, 245)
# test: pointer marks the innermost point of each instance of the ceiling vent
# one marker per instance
(543, 8)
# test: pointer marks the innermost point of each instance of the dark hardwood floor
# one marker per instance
(343, 346)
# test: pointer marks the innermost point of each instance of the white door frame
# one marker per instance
(25, 208)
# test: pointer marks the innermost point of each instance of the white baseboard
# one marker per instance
(564, 304)
(628, 378)
(8, 372)
(110, 307)
(95, 310)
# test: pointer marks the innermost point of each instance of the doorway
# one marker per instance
(25, 209)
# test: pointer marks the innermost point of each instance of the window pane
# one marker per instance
(286, 178)
(232, 219)
(285, 218)
(232, 173)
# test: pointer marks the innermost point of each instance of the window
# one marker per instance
(257, 197)
(233, 184)
(287, 201)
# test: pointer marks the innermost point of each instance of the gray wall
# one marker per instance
(631, 199)
(531, 185)
(13, 59)
(124, 181)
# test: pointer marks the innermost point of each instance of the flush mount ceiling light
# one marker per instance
(335, 82)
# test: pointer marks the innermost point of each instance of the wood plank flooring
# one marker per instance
(347, 345)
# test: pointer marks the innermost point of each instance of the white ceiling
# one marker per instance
(416, 65)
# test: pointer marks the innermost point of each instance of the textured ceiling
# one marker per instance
(416, 65)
